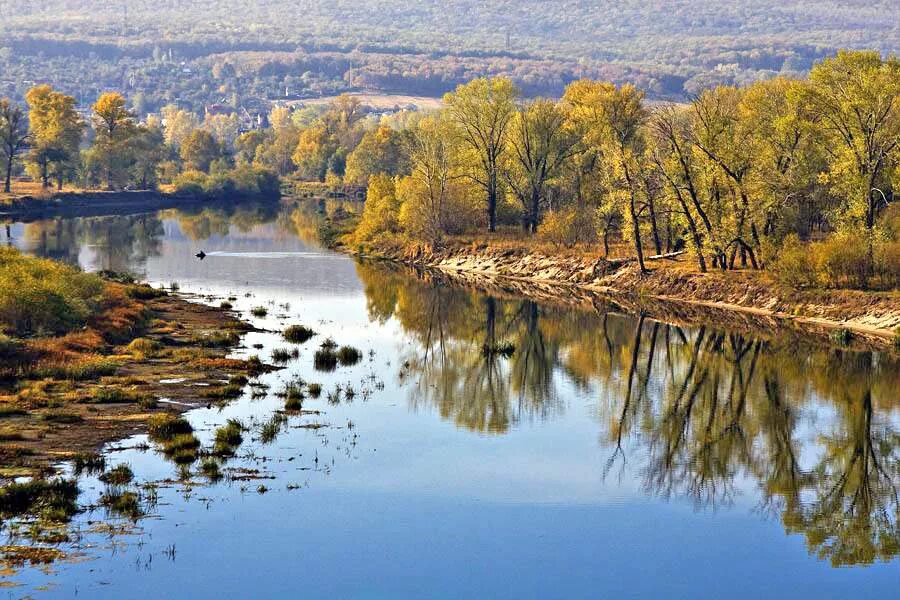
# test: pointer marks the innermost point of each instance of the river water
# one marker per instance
(608, 455)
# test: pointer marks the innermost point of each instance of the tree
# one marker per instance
(613, 120)
(314, 149)
(434, 198)
(246, 144)
(381, 150)
(13, 136)
(856, 94)
(149, 150)
(482, 110)
(56, 130)
(199, 150)
(541, 142)
(178, 124)
(722, 142)
(381, 210)
(114, 125)
(225, 128)
(673, 160)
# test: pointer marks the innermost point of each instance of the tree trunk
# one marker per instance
(492, 204)
(636, 232)
(7, 184)
(653, 227)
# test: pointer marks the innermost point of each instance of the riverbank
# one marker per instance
(873, 316)
(63, 398)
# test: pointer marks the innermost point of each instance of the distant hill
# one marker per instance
(284, 48)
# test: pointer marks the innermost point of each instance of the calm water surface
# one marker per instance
(609, 456)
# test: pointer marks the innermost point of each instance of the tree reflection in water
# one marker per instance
(691, 412)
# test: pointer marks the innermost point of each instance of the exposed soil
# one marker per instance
(873, 316)
(47, 420)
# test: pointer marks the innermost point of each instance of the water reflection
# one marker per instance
(691, 412)
(810, 433)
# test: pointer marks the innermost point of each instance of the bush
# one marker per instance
(844, 260)
(795, 265)
(568, 226)
(43, 296)
(190, 183)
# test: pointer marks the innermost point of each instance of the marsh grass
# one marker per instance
(325, 359)
(182, 448)
(119, 475)
(298, 334)
(314, 389)
(210, 468)
(269, 430)
(283, 355)
(230, 434)
(259, 311)
(348, 356)
(55, 498)
(122, 503)
(88, 462)
(225, 392)
(167, 425)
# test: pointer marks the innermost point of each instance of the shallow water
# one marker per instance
(608, 456)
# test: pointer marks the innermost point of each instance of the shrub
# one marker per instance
(190, 183)
(568, 226)
(259, 311)
(42, 296)
(844, 260)
(795, 265)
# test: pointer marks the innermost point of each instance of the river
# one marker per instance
(485, 445)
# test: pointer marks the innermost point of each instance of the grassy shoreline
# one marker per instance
(64, 397)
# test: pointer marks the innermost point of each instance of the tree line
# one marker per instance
(54, 144)
(738, 176)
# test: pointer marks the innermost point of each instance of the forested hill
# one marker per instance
(306, 47)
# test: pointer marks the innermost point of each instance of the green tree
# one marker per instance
(199, 150)
(482, 110)
(114, 126)
(540, 143)
(381, 150)
(13, 136)
(856, 95)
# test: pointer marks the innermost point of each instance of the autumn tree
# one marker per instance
(435, 197)
(381, 150)
(856, 95)
(178, 124)
(483, 110)
(540, 142)
(56, 130)
(114, 126)
(199, 150)
(13, 136)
